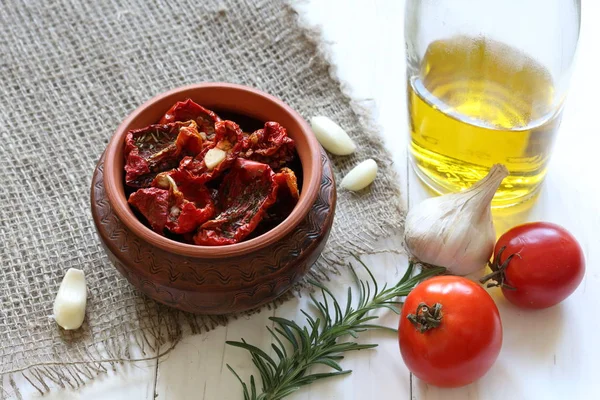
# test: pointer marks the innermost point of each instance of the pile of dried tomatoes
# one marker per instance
(199, 179)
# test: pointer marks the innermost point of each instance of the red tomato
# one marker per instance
(547, 266)
(467, 339)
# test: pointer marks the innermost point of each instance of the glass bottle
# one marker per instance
(487, 81)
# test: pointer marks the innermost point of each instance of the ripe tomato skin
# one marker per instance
(465, 344)
(550, 267)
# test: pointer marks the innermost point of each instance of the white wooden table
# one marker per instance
(548, 354)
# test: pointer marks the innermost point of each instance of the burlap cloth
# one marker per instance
(70, 71)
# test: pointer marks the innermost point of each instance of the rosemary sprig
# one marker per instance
(321, 342)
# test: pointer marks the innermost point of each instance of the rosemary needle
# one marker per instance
(321, 342)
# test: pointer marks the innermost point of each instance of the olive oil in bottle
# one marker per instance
(478, 102)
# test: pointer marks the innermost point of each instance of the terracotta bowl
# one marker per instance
(216, 279)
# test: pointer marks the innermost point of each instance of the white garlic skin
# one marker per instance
(360, 176)
(71, 299)
(331, 136)
(456, 230)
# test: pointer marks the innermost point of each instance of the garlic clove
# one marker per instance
(71, 299)
(214, 157)
(360, 176)
(331, 136)
(456, 230)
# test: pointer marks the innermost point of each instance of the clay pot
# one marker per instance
(216, 279)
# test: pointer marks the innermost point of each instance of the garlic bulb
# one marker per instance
(456, 230)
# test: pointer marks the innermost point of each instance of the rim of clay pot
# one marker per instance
(221, 96)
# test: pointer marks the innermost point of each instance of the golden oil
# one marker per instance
(477, 102)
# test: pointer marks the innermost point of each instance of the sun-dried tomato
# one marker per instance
(190, 205)
(178, 163)
(287, 198)
(270, 145)
(229, 138)
(189, 141)
(158, 148)
(153, 204)
(188, 110)
(287, 183)
(243, 198)
(178, 208)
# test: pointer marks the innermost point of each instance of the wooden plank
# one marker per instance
(130, 381)
(196, 368)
